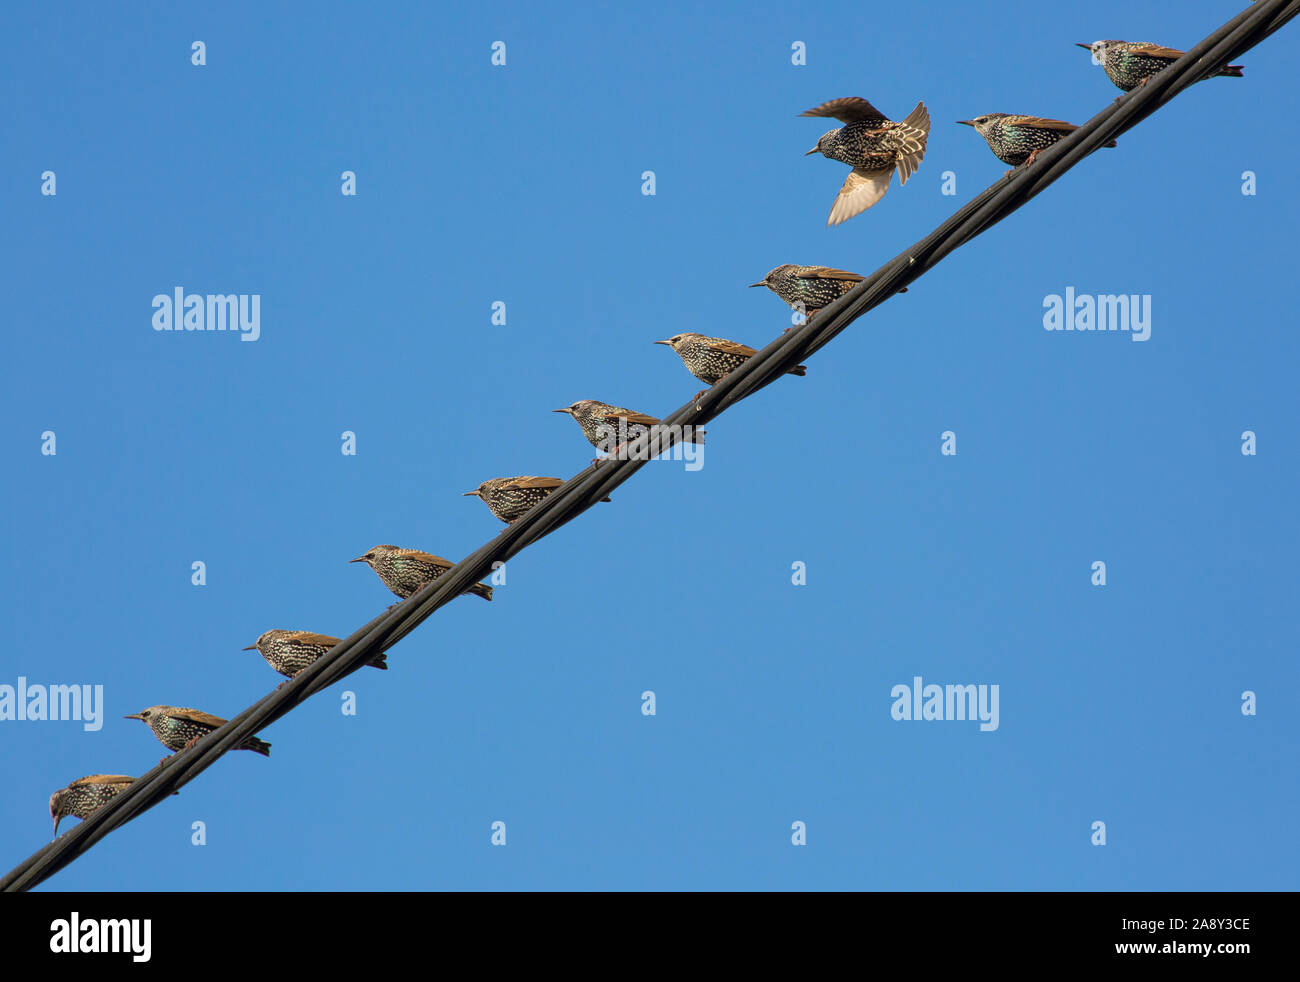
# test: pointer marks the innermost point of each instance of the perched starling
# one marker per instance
(178, 729)
(404, 571)
(86, 795)
(601, 423)
(712, 359)
(509, 497)
(289, 652)
(874, 147)
(1130, 63)
(611, 428)
(809, 288)
(1017, 140)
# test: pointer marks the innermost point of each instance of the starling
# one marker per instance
(179, 729)
(289, 652)
(404, 571)
(607, 427)
(808, 289)
(711, 359)
(509, 497)
(1017, 140)
(84, 796)
(1130, 63)
(874, 147)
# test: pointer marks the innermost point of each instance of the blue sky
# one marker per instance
(522, 184)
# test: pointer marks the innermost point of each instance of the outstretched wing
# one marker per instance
(850, 109)
(861, 190)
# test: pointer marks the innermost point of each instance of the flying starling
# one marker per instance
(404, 571)
(712, 359)
(84, 796)
(1130, 63)
(289, 652)
(509, 497)
(1017, 140)
(874, 147)
(179, 729)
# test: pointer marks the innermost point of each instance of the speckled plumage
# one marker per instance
(178, 727)
(808, 289)
(86, 795)
(1015, 139)
(606, 426)
(509, 497)
(289, 652)
(711, 359)
(1130, 63)
(404, 571)
(611, 428)
(874, 146)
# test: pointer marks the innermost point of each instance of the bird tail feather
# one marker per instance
(914, 131)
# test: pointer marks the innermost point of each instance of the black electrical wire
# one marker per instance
(575, 496)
